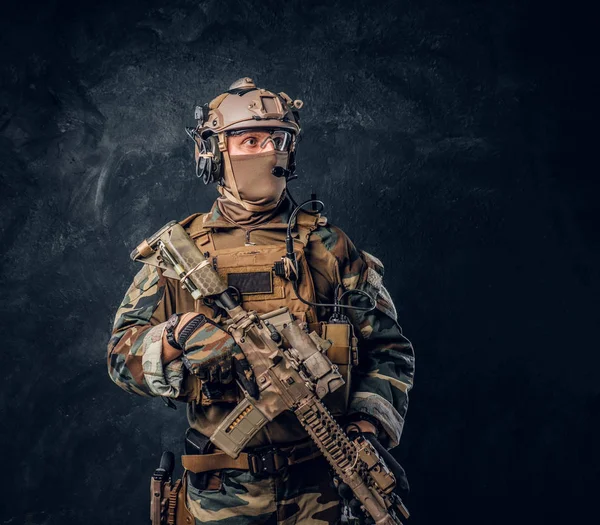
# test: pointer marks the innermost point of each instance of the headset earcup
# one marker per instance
(217, 160)
(203, 163)
(208, 165)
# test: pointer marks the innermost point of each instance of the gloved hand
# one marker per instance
(367, 428)
(210, 353)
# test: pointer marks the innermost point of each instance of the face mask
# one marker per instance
(251, 177)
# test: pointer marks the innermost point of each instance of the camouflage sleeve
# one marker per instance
(384, 376)
(135, 348)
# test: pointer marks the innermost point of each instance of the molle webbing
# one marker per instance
(305, 224)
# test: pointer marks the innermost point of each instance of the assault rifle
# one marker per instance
(292, 372)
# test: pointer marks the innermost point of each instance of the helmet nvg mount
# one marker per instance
(243, 106)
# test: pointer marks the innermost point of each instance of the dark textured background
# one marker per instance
(449, 138)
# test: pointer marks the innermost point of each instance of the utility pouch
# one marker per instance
(343, 353)
(198, 444)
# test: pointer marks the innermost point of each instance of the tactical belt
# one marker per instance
(261, 461)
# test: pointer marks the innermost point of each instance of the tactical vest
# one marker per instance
(251, 269)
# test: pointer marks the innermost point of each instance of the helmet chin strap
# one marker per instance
(234, 194)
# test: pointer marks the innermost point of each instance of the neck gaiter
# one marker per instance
(260, 192)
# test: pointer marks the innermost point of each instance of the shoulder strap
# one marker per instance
(187, 221)
(308, 223)
(194, 225)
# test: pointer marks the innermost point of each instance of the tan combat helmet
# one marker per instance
(242, 106)
(245, 106)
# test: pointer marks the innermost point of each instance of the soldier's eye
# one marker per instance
(251, 141)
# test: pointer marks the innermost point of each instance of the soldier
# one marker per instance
(245, 142)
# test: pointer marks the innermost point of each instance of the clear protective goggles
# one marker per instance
(280, 138)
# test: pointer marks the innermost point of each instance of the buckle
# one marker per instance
(267, 461)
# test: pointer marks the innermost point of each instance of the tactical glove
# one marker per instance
(210, 353)
(345, 492)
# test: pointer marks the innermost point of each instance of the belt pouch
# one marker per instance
(197, 444)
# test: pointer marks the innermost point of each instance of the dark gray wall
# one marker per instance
(448, 138)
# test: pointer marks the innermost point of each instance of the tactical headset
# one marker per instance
(209, 164)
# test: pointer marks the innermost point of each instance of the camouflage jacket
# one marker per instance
(380, 384)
